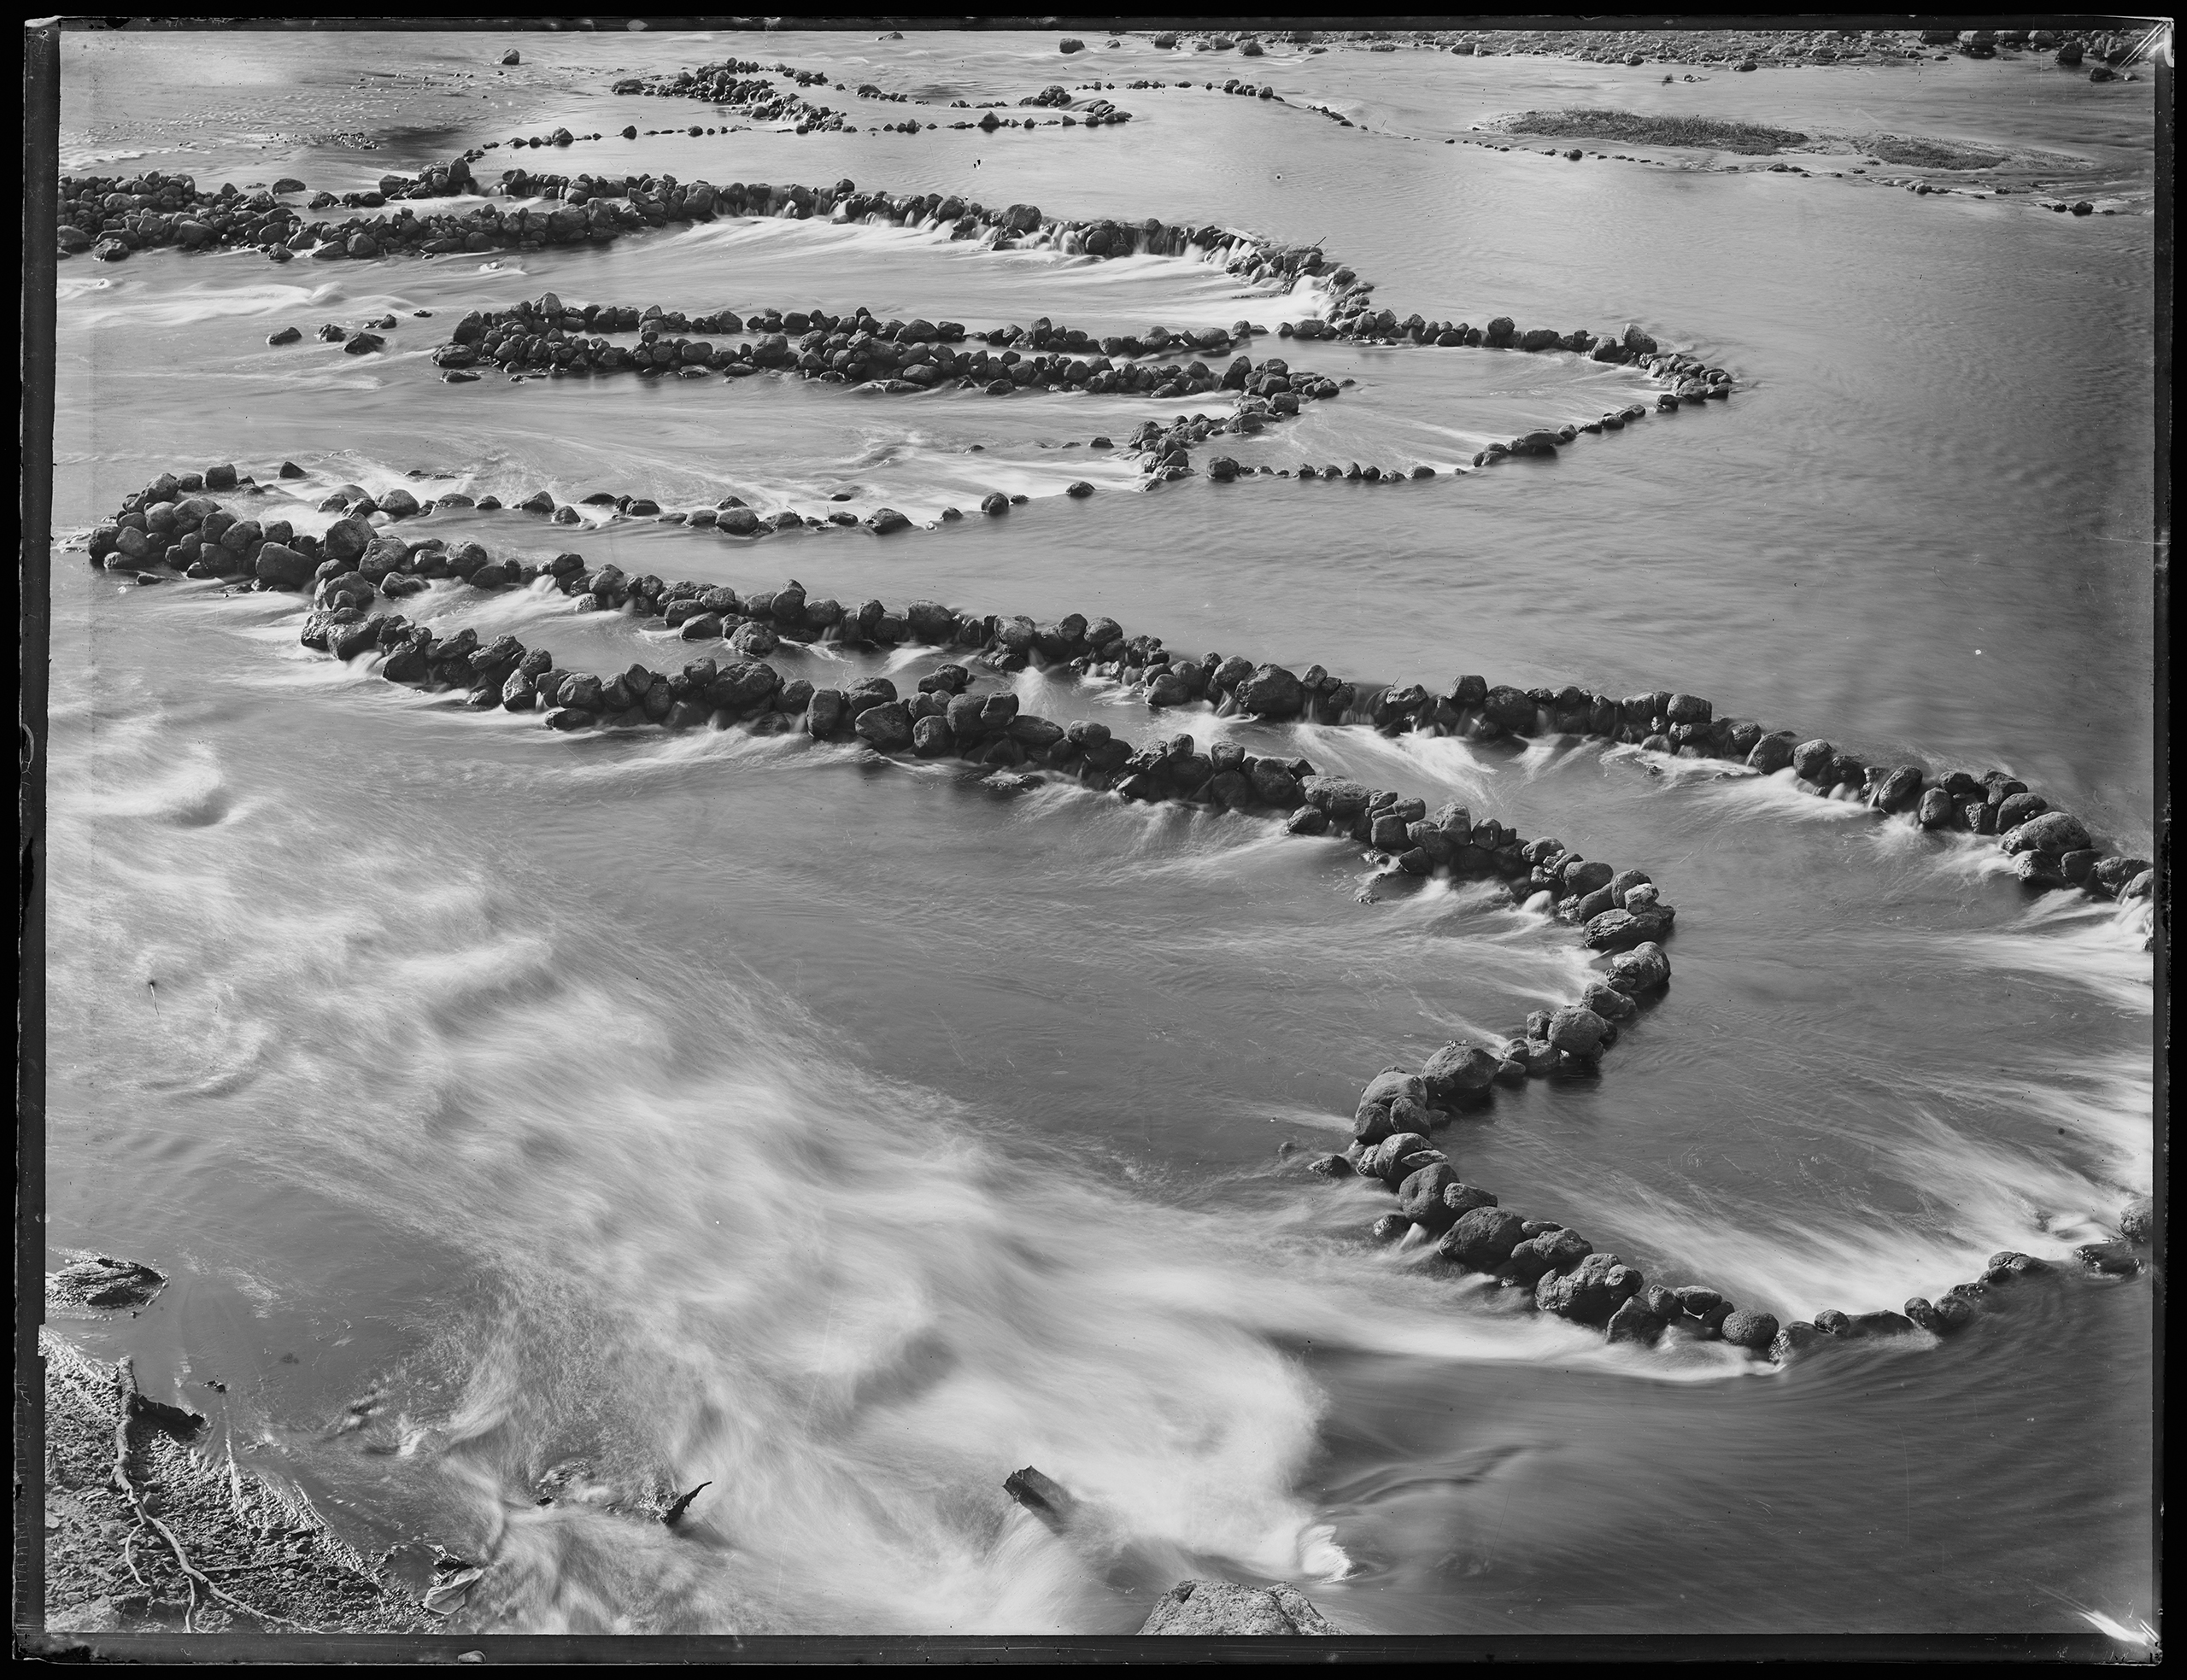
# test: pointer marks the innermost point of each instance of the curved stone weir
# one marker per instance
(149, 210)
(124, 543)
(354, 570)
(1554, 1268)
(741, 84)
(154, 209)
(547, 337)
(365, 570)
(2051, 849)
(166, 523)
(858, 347)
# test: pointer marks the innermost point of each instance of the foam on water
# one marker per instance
(918, 1309)
(1773, 798)
(2066, 938)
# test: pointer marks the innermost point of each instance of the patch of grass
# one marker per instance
(1919, 154)
(1631, 128)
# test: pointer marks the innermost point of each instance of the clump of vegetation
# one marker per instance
(1631, 128)
(1919, 154)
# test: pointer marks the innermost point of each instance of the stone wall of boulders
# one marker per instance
(545, 335)
(140, 535)
(356, 570)
(355, 565)
(741, 86)
(1556, 1270)
(113, 217)
(166, 523)
(2050, 849)
(595, 210)
(1737, 48)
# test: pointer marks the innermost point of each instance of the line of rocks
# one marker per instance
(1015, 226)
(141, 534)
(546, 335)
(738, 84)
(112, 217)
(1396, 1111)
(1165, 450)
(1561, 1271)
(947, 717)
(741, 86)
(2050, 849)
(1748, 49)
(168, 522)
(354, 564)
(595, 209)
(1556, 1270)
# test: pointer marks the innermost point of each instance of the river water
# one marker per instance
(846, 1135)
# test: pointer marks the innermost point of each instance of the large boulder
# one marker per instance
(1272, 691)
(1638, 971)
(1627, 929)
(1591, 1291)
(1420, 1198)
(1754, 1330)
(1335, 797)
(1397, 1158)
(1459, 1075)
(1537, 1256)
(1510, 709)
(1215, 1609)
(283, 567)
(1482, 1238)
(1435, 1197)
(1770, 754)
(1578, 1032)
(347, 539)
(2053, 832)
(1899, 790)
(1636, 1321)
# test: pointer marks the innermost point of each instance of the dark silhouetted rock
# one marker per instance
(1638, 971)
(1754, 1330)
(1482, 1238)
(2053, 833)
(1591, 1291)
(1459, 1075)
(1633, 1322)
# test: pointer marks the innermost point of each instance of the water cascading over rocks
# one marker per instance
(176, 523)
(358, 564)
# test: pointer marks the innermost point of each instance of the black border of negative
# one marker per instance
(41, 174)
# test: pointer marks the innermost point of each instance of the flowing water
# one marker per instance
(846, 1133)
